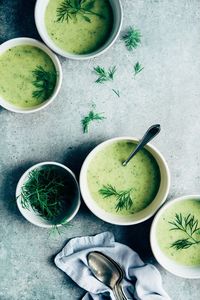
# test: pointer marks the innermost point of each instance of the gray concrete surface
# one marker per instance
(166, 91)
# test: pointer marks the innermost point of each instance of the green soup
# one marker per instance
(140, 178)
(27, 76)
(81, 32)
(178, 232)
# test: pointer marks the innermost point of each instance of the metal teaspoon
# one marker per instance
(106, 271)
(148, 136)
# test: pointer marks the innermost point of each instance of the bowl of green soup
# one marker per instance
(124, 195)
(175, 236)
(78, 29)
(30, 75)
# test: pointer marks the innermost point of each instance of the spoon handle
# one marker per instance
(121, 293)
(116, 293)
(148, 136)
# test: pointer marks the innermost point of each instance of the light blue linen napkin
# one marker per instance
(142, 281)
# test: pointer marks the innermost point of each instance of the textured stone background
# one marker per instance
(166, 91)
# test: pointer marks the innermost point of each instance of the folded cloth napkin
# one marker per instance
(141, 282)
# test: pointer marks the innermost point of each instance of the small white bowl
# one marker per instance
(139, 216)
(191, 272)
(40, 9)
(31, 215)
(32, 42)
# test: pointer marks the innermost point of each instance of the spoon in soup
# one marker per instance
(107, 271)
(148, 136)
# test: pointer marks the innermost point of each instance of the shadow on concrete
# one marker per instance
(17, 18)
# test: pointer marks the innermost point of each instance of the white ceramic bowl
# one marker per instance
(139, 216)
(32, 216)
(40, 9)
(28, 41)
(164, 261)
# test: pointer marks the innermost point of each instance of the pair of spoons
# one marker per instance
(106, 270)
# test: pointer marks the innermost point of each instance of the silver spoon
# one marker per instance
(148, 136)
(107, 271)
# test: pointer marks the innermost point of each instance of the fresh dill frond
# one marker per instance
(123, 198)
(45, 193)
(104, 75)
(189, 226)
(45, 83)
(92, 116)
(116, 92)
(70, 9)
(137, 68)
(132, 38)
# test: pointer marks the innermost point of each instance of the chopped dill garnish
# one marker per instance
(45, 192)
(123, 198)
(70, 9)
(104, 75)
(92, 116)
(190, 227)
(132, 38)
(137, 68)
(116, 92)
(45, 83)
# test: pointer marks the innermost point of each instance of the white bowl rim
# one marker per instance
(65, 54)
(21, 181)
(109, 141)
(153, 239)
(33, 42)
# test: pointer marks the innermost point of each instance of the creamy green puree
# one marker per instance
(18, 83)
(76, 35)
(141, 175)
(166, 237)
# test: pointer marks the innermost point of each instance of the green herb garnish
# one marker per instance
(116, 92)
(70, 9)
(132, 38)
(190, 227)
(45, 192)
(92, 116)
(104, 75)
(45, 83)
(123, 198)
(137, 68)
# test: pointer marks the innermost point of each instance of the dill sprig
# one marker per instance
(116, 92)
(123, 198)
(137, 68)
(189, 226)
(45, 83)
(45, 191)
(104, 75)
(132, 38)
(70, 9)
(92, 116)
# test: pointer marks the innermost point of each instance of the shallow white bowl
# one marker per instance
(164, 261)
(32, 42)
(139, 216)
(40, 9)
(31, 215)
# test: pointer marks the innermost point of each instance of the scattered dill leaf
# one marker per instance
(45, 83)
(92, 116)
(137, 68)
(116, 92)
(70, 9)
(189, 226)
(123, 198)
(104, 75)
(132, 38)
